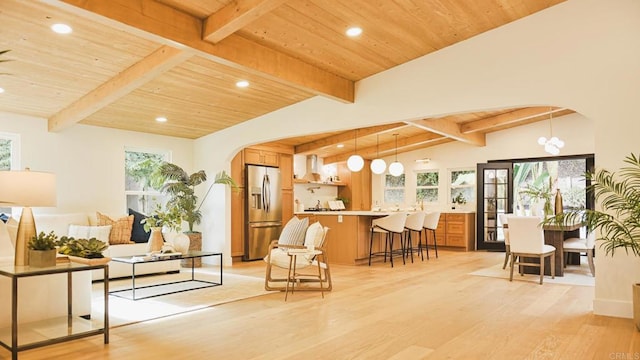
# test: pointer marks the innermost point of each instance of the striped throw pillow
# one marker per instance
(294, 231)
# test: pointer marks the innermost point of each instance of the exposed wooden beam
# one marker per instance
(159, 22)
(345, 136)
(507, 118)
(235, 16)
(159, 61)
(449, 129)
(389, 148)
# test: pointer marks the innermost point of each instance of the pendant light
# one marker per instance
(378, 166)
(396, 168)
(552, 145)
(355, 162)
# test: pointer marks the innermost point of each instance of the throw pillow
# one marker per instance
(294, 231)
(314, 235)
(87, 232)
(120, 228)
(138, 234)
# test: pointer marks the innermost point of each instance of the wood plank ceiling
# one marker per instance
(128, 62)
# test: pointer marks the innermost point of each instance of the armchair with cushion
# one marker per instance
(278, 261)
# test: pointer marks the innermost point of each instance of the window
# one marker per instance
(427, 183)
(462, 186)
(139, 165)
(394, 189)
(8, 157)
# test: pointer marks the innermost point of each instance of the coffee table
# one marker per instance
(143, 259)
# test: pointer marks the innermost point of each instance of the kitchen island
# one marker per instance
(348, 237)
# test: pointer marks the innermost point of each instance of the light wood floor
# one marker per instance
(430, 310)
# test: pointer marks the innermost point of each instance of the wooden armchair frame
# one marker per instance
(275, 283)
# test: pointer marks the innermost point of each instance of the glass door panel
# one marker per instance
(494, 191)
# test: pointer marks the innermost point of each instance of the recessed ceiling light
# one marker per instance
(340, 146)
(242, 84)
(354, 31)
(61, 28)
(1, 90)
(161, 119)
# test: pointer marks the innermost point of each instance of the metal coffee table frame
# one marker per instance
(135, 260)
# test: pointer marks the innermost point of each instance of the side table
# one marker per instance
(293, 276)
(55, 330)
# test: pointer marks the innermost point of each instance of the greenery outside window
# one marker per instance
(394, 189)
(8, 157)
(427, 183)
(462, 186)
(139, 165)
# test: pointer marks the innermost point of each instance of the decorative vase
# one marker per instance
(558, 205)
(181, 243)
(195, 244)
(42, 258)
(155, 240)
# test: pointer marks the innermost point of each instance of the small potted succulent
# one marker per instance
(42, 250)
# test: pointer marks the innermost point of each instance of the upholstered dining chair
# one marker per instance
(581, 245)
(431, 220)
(278, 257)
(413, 223)
(527, 241)
(507, 243)
(389, 226)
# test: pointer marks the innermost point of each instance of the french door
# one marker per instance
(495, 197)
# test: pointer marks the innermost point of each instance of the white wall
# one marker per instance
(88, 161)
(580, 54)
(521, 142)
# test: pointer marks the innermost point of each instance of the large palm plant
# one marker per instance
(619, 197)
(180, 187)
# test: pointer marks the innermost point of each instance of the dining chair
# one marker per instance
(413, 223)
(389, 226)
(527, 241)
(507, 242)
(431, 220)
(581, 245)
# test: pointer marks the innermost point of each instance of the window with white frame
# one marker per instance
(462, 186)
(8, 157)
(139, 167)
(427, 183)
(394, 189)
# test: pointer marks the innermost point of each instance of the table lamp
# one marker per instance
(27, 189)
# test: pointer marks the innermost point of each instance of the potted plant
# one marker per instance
(42, 250)
(87, 251)
(154, 223)
(618, 223)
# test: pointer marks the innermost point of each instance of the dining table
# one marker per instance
(555, 235)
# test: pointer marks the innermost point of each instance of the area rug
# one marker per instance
(573, 275)
(123, 311)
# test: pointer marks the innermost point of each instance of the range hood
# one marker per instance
(312, 169)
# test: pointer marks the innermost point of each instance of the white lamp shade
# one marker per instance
(27, 188)
(378, 166)
(396, 168)
(355, 163)
(542, 140)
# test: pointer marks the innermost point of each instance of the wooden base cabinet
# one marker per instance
(456, 230)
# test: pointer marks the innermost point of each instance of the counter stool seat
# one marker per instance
(390, 226)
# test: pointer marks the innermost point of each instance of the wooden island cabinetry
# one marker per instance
(349, 236)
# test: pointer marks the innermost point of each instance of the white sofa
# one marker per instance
(59, 223)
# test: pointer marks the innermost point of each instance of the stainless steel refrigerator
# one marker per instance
(263, 210)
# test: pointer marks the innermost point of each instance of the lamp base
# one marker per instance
(26, 231)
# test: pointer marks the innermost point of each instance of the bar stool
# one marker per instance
(390, 226)
(430, 223)
(414, 222)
